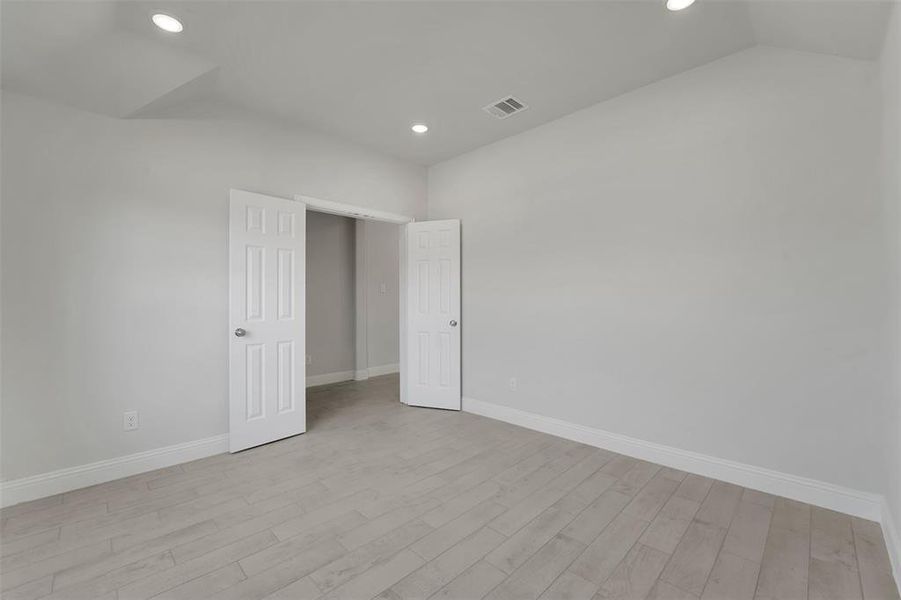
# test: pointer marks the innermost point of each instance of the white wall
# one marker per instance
(330, 293)
(698, 263)
(115, 268)
(890, 71)
(382, 269)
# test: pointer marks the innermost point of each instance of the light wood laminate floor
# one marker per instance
(382, 500)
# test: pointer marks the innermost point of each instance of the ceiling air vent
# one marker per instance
(505, 107)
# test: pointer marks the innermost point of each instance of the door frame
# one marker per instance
(370, 214)
(349, 210)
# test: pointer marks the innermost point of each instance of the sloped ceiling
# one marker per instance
(366, 70)
(78, 56)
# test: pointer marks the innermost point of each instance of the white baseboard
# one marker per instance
(327, 378)
(811, 491)
(73, 478)
(359, 375)
(892, 540)
(383, 370)
(363, 374)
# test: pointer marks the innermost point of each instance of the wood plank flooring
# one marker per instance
(379, 500)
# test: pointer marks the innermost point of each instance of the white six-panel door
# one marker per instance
(433, 314)
(267, 263)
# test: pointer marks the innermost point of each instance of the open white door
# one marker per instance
(432, 373)
(266, 366)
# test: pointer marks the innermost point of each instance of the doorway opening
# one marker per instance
(269, 353)
(380, 225)
(352, 300)
(429, 302)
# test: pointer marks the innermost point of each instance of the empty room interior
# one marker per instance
(435, 299)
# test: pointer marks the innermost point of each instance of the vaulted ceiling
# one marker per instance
(366, 71)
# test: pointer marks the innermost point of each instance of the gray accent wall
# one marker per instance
(330, 293)
(382, 293)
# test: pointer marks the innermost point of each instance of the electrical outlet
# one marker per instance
(383, 288)
(130, 420)
(513, 384)
(309, 359)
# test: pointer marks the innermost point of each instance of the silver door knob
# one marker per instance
(240, 332)
(453, 323)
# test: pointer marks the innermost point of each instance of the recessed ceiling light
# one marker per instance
(167, 23)
(678, 4)
(420, 128)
